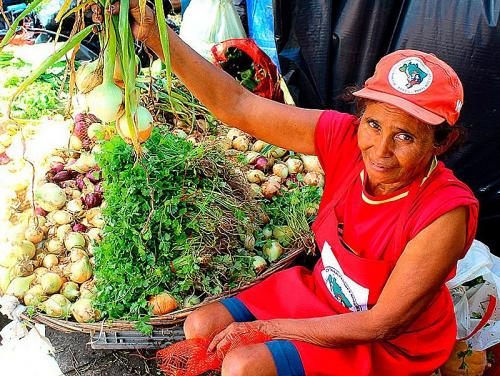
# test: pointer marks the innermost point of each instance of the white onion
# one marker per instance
(81, 270)
(233, 133)
(62, 231)
(50, 197)
(57, 306)
(83, 164)
(284, 234)
(4, 279)
(251, 156)
(62, 217)
(83, 311)
(281, 170)
(270, 188)
(259, 145)
(55, 246)
(76, 254)
(259, 264)
(24, 249)
(311, 163)
(75, 143)
(255, 190)
(19, 286)
(34, 296)
(314, 179)
(95, 218)
(249, 242)
(273, 250)
(294, 165)
(75, 206)
(95, 234)
(241, 143)
(74, 239)
(50, 260)
(34, 234)
(256, 176)
(70, 290)
(51, 282)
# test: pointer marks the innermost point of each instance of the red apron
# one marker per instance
(342, 282)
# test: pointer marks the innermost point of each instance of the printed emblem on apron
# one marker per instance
(347, 292)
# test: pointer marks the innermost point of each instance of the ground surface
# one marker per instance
(76, 358)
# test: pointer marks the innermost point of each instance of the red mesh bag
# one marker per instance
(191, 357)
(266, 73)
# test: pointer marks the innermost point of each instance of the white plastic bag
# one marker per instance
(208, 22)
(471, 303)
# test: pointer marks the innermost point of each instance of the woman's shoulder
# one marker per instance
(440, 193)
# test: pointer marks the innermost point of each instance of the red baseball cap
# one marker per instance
(418, 83)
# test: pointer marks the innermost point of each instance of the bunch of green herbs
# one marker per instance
(175, 221)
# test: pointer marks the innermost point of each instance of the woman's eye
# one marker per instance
(373, 124)
(405, 137)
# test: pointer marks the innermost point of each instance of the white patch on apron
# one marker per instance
(349, 293)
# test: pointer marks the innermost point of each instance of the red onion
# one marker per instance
(261, 163)
(79, 182)
(91, 200)
(98, 188)
(94, 175)
(67, 184)
(62, 176)
(40, 211)
(4, 159)
(56, 167)
(79, 227)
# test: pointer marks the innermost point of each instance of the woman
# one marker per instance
(392, 223)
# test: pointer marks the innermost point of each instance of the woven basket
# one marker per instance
(171, 320)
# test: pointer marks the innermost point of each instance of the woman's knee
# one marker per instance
(248, 361)
(207, 321)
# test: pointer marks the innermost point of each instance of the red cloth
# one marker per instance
(343, 281)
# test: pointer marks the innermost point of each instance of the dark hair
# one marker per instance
(441, 131)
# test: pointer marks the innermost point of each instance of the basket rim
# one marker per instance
(166, 321)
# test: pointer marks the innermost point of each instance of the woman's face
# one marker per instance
(395, 146)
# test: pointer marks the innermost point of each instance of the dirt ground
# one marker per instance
(76, 358)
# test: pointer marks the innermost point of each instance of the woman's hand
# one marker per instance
(142, 31)
(241, 333)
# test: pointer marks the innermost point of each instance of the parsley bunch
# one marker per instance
(175, 221)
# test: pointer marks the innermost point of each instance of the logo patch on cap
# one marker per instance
(410, 76)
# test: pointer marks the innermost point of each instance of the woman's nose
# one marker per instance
(383, 147)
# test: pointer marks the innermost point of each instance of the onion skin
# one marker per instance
(162, 303)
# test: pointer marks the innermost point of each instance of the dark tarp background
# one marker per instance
(325, 46)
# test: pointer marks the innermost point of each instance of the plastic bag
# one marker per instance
(477, 278)
(207, 22)
(264, 74)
